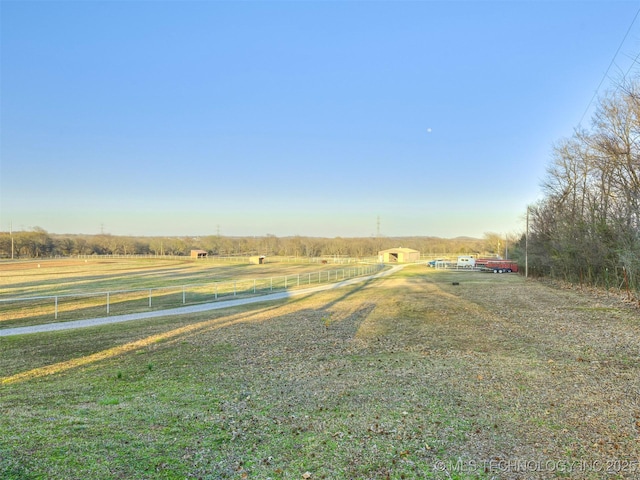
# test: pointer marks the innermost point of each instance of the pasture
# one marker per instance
(45, 291)
(406, 376)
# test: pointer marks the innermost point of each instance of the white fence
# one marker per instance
(95, 304)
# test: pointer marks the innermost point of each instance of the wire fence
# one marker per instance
(85, 305)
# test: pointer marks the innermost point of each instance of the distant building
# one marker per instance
(257, 260)
(199, 254)
(399, 255)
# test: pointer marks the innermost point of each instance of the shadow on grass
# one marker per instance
(260, 315)
(130, 347)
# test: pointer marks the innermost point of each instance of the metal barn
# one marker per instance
(399, 255)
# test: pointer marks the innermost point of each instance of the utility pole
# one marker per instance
(11, 235)
(526, 247)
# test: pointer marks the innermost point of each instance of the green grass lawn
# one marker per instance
(401, 377)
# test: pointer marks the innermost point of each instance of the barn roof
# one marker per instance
(399, 249)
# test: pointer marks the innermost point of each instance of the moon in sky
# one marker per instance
(428, 130)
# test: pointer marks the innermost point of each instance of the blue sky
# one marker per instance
(294, 117)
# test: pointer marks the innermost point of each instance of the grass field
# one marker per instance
(67, 276)
(58, 290)
(407, 376)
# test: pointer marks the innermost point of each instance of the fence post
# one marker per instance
(184, 299)
(216, 292)
(56, 309)
(298, 279)
(234, 288)
(271, 284)
(149, 298)
(107, 303)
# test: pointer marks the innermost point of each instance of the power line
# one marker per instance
(633, 62)
(609, 67)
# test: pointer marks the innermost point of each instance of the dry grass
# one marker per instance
(75, 276)
(403, 377)
(57, 290)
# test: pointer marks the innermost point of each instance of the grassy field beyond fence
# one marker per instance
(34, 293)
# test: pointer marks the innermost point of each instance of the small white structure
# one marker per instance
(466, 261)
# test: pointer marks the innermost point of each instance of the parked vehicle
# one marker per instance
(495, 265)
(500, 266)
(436, 263)
(482, 261)
(466, 261)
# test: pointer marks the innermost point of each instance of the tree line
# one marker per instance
(586, 228)
(38, 243)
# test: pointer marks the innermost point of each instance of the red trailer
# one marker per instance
(500, 266)
(482, 262)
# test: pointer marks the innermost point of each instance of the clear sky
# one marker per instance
(310, 118)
